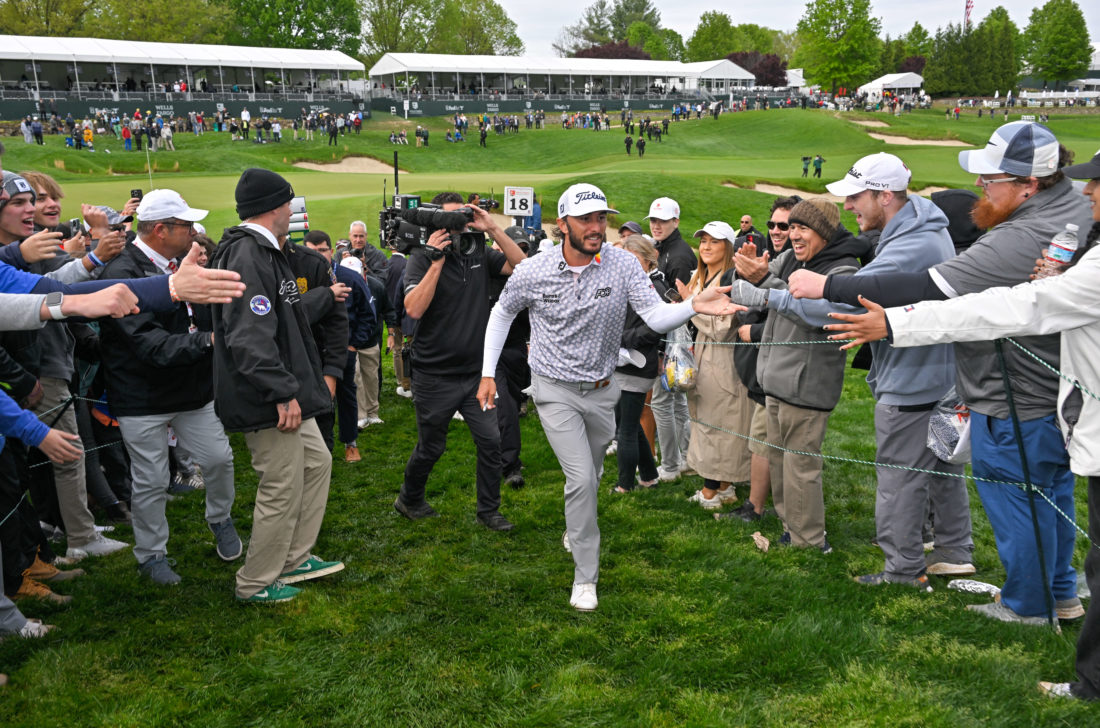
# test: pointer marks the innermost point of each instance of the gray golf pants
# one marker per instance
(670, 413)
(579, 425)
(146, 437)
(902, 498)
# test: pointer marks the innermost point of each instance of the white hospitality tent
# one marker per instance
(439, 75)
(894, 82)
(38, 62)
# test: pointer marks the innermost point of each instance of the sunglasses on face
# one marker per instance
(781, 225)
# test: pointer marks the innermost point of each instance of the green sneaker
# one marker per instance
(276, 592)
(311, 568)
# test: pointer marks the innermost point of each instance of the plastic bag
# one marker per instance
(949, 430)
(678, 372)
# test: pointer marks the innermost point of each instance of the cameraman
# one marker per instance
(447, 292)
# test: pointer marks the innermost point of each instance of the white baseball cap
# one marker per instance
(350, 261)
(1022, 148)
(717, 230)
(880, 171)
(164, 204)
(664, 208)
(582, 199)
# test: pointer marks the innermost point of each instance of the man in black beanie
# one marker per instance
(268, 385)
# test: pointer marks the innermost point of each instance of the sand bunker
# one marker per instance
(906, 141)
(879, 124)
(350, 165)
(788, 191)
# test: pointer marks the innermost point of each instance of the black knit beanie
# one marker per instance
(261, 190)
(818, 214)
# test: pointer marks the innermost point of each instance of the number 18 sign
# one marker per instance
(518, 201)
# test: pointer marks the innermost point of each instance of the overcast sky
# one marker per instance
(540, 22)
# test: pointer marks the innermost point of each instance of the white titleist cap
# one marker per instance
(717, 230)
(165, 204)
(582, 199)
(350, 261)
(880, 171)
(664, 208)
(1022, 148)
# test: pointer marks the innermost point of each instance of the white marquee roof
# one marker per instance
(894, 80)
(399, 63)
(98, 50)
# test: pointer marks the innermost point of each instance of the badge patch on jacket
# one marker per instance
(260, 305)
(303, 285)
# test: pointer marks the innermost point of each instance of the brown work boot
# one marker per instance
(31, 589)
(41, 571)
(351, 454)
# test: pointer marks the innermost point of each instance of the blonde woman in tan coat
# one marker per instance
(719, 399)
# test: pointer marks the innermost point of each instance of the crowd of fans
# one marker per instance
(291, 357)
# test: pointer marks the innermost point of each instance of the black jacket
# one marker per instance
(264, 352)
(676, 259)
(152, 363)
(327, 320)
(638, 336)
(383, 309)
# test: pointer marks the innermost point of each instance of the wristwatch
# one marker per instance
(53, 305)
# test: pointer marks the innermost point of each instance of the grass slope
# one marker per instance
(444, 623)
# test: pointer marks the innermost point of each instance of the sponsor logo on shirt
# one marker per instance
(603, 292)
(551, 298)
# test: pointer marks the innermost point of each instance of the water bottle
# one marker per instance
(1059, 254)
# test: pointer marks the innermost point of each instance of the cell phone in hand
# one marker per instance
(76, 227)
(136, 194)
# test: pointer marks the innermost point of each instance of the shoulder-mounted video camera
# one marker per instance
(407, 224)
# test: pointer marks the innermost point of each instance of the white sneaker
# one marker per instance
(35, 628)
(99, 546)
(402, 392)
(565, 542)
(613, 447)
(458, 416)
(363, 423)
(375, 421)
(711, 504)
(666, 476)
(729, 495)
(583, 598)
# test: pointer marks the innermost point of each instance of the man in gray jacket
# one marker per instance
(906, 383)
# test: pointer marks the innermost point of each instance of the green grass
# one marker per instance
(444, 623)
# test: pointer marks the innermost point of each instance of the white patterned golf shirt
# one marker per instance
(577, 322)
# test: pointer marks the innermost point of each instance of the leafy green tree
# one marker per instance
(950, 69)
(624, 13)
(393, 26)
(917, 41)
(639, 33)
(615, 49)
(593, 29)
(712, 38)
(892, 55)
(164, 21)
(1057, 42)
(752, 38)
(673, 44)
(469, 27)
(328, 24)
(44, 17)
(999, 44)
(786, 44)
(840, 44)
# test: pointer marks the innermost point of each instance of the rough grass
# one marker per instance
(444, 623)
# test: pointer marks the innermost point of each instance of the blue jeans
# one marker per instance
(995, 455)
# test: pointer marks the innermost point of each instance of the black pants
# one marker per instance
(513, 375)
(633, 451)
(114, 459)
(436, 399)
(1088, 641)
(20, 534)
(346, 404)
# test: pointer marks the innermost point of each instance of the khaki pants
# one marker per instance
(366, 381)
(399, 372)
(294, 470)
(69, 478)
(796, 479)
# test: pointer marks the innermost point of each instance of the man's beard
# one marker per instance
(576, 242)
(987, 214)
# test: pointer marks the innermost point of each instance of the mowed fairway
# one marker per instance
(444, 623)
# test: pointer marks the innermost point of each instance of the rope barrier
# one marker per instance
(14, 509)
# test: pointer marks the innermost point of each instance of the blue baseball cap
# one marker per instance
(1022, 148)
